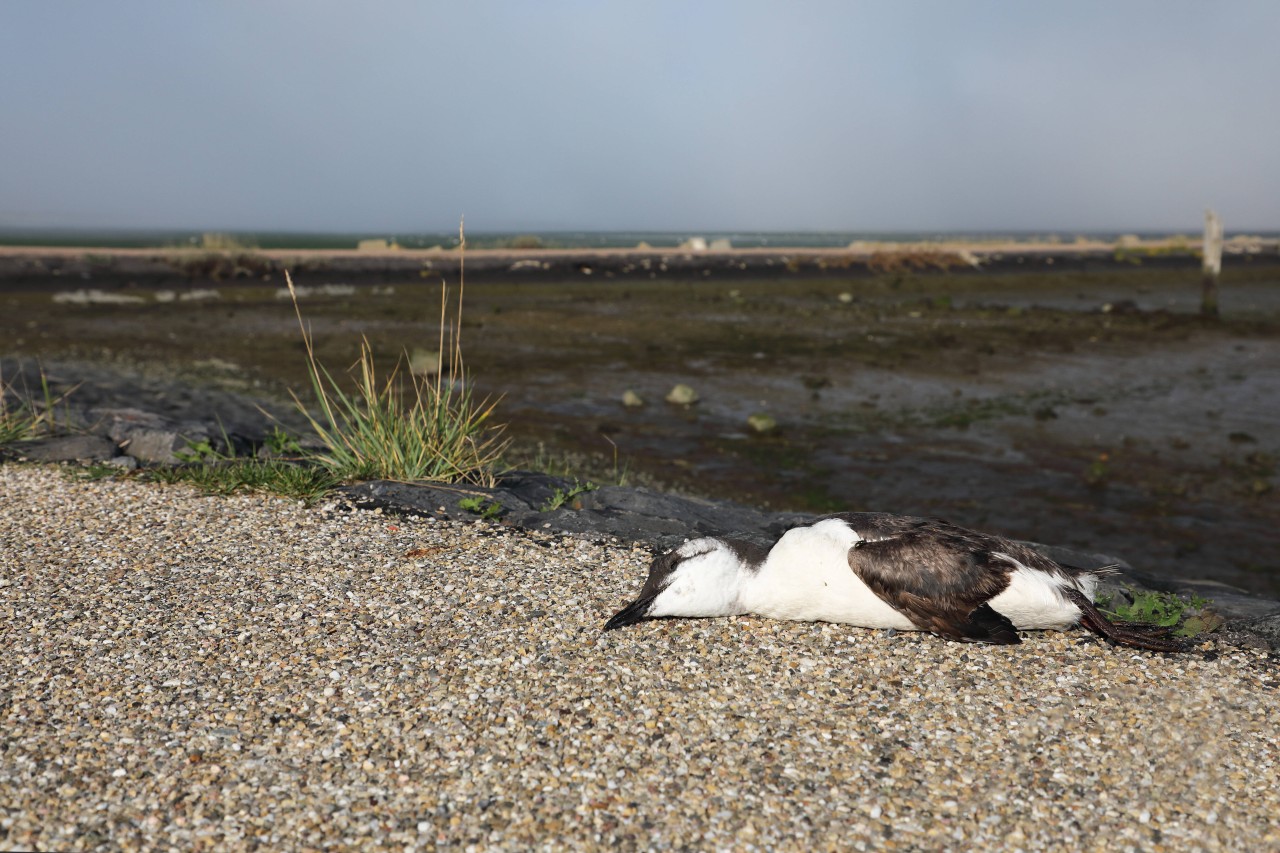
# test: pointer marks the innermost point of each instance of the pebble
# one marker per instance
(682, 395)
(189, 672)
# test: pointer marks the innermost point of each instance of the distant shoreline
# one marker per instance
(39, 266)
(179, 240)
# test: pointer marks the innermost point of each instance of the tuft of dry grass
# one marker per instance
(22, 416)
(400, 426)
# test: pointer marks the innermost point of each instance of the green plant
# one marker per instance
(621, 477)
(560, 497)
(200, 451)
(403, 427)
(1189, 616)
(217, 473)
(204, 451)
(1204, 622)
(94, 471)
(485, 509)
(280, 443)
(1097, 472)
(20, 419)
(307, 483)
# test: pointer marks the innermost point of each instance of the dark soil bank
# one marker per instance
(1090, 408)
(22, 268)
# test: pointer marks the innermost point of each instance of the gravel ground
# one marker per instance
(185, 672)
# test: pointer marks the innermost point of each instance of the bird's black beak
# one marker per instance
(631, 614)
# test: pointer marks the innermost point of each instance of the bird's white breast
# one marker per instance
(807, 577)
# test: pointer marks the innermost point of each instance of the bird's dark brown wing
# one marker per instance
(940, 578)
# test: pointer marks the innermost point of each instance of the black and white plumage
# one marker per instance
(877, 570)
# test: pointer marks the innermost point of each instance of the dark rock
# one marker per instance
(1266, 628)
(634, 515)
(158, 445)
(69, 448)
(124, 463)
(659, 520)
(121, 424)
(665, 521)
(95, 395)
(148, 437)
(1249, 635)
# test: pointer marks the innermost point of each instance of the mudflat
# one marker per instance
(1084, 403)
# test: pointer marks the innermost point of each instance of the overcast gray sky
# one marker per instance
(400, 116)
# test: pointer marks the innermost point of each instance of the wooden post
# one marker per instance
(1212, 264)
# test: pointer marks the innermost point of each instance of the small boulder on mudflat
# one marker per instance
(682, 395)
(149, 437)
(159, 445)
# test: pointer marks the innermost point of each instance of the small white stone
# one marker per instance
(682, 395)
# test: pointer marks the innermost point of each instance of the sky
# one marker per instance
(396, 117)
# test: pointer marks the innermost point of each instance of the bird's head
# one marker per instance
(702, 577)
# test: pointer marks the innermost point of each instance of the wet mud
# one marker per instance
(1093, 409)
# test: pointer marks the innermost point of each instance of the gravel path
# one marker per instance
(184, 672)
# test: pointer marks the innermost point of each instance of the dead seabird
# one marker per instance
(877, 570)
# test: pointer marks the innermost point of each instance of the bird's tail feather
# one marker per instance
(1098, 572)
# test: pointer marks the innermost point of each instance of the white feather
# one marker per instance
(1034, 600)
(807, 577)
(705, 583)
